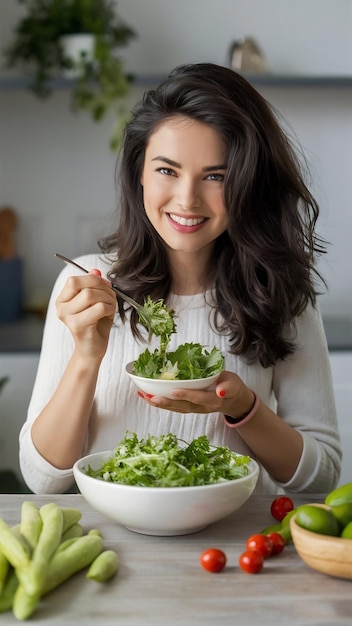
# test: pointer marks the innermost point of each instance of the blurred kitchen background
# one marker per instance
(57, 171)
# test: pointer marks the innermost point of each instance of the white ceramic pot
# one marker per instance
(77, 50)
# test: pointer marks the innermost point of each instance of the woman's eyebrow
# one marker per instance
(208, 168)
(212, 168)
(168, 161)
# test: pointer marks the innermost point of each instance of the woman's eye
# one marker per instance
(166, 170)
(216, 177)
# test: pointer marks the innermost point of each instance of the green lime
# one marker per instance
(347, 531)
(343, 513)
(340, 495)
(317, 519)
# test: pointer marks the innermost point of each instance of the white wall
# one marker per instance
(55, 165)
(303, 36)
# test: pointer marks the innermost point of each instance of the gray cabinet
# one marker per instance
(341, 366)
(21, 369)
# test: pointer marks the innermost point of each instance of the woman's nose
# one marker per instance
(188, 195)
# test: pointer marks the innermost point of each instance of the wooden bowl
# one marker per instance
(329, 555)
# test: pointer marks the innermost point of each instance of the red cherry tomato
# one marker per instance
(213, 560)
(280, 507)
(260, 542)
(278, 543)
(251, 561)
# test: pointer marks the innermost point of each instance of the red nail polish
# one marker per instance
(222, 393)
(140, 394)
(149, 395)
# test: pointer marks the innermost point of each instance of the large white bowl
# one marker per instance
(163, 387)
(158, 510)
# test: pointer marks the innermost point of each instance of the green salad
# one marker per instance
(167, 461)
(189, 361)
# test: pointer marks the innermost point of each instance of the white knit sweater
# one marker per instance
(299, 389)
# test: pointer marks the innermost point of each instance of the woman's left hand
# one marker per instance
(230, 396)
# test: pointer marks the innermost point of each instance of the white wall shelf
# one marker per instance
(272, 80)
(265, 80)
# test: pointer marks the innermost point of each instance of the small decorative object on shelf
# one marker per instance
(40, 46)
(11, 268)
(247, 57)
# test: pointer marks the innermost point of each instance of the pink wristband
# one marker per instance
(232, 422)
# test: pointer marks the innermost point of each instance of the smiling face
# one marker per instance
(183, 178)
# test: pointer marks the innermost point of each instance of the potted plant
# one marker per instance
(40, 37)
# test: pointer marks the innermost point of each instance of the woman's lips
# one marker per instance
(186, 224)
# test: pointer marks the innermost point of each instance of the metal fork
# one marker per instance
(144, 318)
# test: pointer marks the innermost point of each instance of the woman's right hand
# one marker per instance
(87, 306)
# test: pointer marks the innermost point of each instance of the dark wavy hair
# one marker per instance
(264, 264)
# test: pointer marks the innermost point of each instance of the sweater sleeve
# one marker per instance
(305, 400)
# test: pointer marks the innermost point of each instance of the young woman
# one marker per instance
(215, 218)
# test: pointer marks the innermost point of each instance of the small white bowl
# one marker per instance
(164, 387)
(158, 510)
